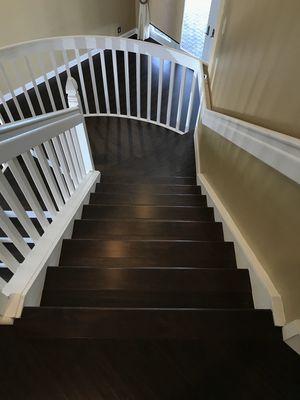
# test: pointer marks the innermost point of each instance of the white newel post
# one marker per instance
(75, 101)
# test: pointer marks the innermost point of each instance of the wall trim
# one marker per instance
(130, 33)
(279, 151)
(265, 294)
(162, 38)
(291, 335)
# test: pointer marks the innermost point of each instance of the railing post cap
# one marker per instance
(71, 86)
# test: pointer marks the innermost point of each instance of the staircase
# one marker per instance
(147, 302)
(146, 260)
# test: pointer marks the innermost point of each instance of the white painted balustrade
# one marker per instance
(115, 78)
(49, 171)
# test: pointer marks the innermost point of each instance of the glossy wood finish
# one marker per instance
(152, 288)
(132, 151)
(146, 188)
(147, 253)
(104, 323)
(148, 199)
(83, 369)
(146, 212)
(147, 302)
(152, 229)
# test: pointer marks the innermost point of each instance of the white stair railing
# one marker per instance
(116, 77)
(41, 194)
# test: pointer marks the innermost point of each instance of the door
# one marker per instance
(196, 13)
(211, 30)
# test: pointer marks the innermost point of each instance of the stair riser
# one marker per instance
(163, 280)
(145, 324)
(169, 180)
(85, 229)
(121, 299)
(147, 188)
(147, 253)
(145, 199)
(145, 212)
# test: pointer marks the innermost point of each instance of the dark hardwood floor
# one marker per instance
(126, 147)
(147, 302)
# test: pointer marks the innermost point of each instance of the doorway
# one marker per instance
(195, 19)
(199, 27)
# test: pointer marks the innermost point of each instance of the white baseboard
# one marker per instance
(291, 335)
(265, 294)
(128, 34)
(163, 39)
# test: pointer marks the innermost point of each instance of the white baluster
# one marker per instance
(74, 101)
(15, 204)
(74, 155)
(66, 61)
(63, 164)
(43, 69)
(159, 93)
(57, 172)
(69, 160)
(25, 186)
(25, 91)
(138, 85)
(191, 102)
(127, 83)
(14, 235)
(11, 90)
(82, 83)
(58, 81)
(116, 81)
(6, 108)
(49, 176)
(170, 96)
(104, 77)
(36, 90)
(39, 183)
(78, 151)
(9, 261)
(149, 88)
(93, 77)
(181, 95)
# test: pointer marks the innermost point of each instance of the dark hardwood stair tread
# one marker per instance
(139, 229)
(145, 212)
(92, 287)
(147, 253)
(148, 199)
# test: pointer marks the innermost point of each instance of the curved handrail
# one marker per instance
(100, 42)
(176, 90)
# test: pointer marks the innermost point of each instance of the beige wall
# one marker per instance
(167, 15)
(257, 76)
(266, 207)
(23, 20)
